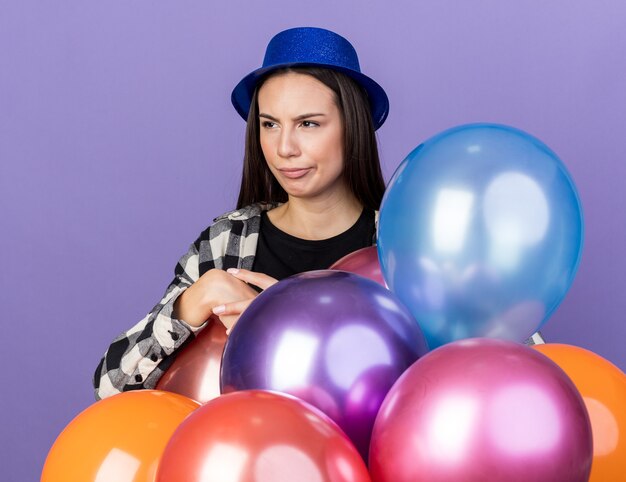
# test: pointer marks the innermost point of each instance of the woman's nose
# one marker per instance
(288, 144)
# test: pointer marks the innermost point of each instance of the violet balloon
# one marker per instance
(363, 262)
(482, 410)
(334, 339)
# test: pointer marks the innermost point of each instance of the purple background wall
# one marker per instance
(118, 144)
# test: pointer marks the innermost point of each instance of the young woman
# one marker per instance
(310, 191)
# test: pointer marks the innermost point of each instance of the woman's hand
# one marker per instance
(229, 313)
(217, 289)
(213, 288)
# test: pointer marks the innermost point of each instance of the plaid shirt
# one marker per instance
(139, 357)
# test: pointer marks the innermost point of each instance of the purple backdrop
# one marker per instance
(118, 144)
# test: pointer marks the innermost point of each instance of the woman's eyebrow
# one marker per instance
(300, 117)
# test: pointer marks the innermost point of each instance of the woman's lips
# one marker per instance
(295, 173)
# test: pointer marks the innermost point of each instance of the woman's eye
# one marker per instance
(309, 124)
(268, 124)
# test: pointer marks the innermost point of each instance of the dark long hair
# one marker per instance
(361, 172)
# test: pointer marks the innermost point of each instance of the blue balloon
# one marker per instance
(480, 233)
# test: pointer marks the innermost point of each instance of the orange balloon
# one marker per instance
(195, 372)
(119, 439)
(260, 436)
(603, 388)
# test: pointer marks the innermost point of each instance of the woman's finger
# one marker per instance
(234, 308)
(261, 280)
(229, 313)
(229, 322)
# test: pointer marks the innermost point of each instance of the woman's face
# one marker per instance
(301, 133)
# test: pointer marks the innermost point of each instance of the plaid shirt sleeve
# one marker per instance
(139, 357)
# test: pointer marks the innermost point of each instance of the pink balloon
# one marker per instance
(195, 372)
(482, 410)
(363, 262)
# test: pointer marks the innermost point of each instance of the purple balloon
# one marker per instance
(337, 340)
(482, 410)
